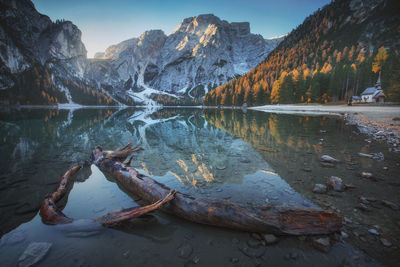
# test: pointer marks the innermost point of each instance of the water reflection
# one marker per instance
(181, 149)
(222, 154)
(289, 143)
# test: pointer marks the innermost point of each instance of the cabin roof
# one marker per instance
(369, 91)
(378, 93)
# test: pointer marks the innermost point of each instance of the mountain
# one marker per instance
(41, 62)
(202, 53)
(334, 54)
(45, 62)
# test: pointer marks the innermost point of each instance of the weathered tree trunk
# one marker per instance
(271, 219)
(51, 214)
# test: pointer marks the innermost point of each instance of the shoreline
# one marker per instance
(381, 123)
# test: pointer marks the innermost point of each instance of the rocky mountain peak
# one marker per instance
(149, 37)
(198, 24)
(66, 42)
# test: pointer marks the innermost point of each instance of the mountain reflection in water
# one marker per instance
(251, 158)
(181, 149)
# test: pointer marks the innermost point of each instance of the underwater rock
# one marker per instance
(33, 253)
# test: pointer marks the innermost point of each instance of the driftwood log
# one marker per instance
(53, 215)
(272, 219)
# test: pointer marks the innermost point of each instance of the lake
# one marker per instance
(247, 157)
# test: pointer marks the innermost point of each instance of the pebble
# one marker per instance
(256, 236)
(320, 188)
(365, 155)
(378, 156)
(196, 259)
(335, 183)
(185, 251)
(327, 165)
(364, 200)
(363, 207)
(270, 239)
(126, 254)
(391, 205)
(366, 175)
(34, 253)
(349, 186)
(373, 231)
(344, 234)
(322, 244)
(386, 242)
(347, 220)
(326, 158)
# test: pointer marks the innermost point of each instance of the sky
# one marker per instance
(104, 22)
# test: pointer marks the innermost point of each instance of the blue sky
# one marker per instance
(104, 23)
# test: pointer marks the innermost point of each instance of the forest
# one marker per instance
(333, 55)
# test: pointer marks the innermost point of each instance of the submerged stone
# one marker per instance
(322, 244)
(320, 188)
(33, 253)
(270, 239)
(335, 183)
(185, 251)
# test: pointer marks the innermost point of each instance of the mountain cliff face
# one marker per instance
(41, 62)
(334, 54)
(202, 53)
(45, 63)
